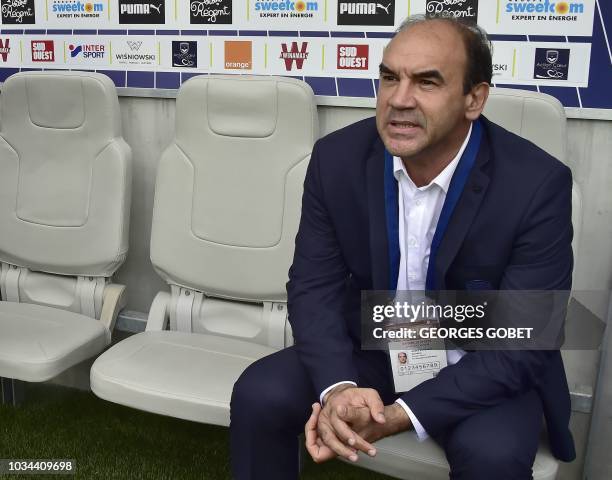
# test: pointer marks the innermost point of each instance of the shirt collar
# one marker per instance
(444, 177)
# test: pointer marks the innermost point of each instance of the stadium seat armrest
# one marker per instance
(113, 301)
(159, 313)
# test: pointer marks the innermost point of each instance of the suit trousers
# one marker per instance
(272, 400)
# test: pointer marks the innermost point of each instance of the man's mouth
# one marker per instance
(401, 125)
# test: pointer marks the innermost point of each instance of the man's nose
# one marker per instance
(403, 96)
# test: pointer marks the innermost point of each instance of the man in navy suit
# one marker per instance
(430, 195)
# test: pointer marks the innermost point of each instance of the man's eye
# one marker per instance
(387, 78)
(427, 83)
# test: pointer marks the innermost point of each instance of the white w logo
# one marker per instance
(134, 45)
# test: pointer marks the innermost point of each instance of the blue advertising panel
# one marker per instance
(557, 47)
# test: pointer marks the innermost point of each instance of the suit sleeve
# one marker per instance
(316, 289)
(541, 259)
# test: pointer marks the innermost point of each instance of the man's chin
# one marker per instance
(404, 145)
(401, 150)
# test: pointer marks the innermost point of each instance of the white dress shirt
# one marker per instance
(419, 211)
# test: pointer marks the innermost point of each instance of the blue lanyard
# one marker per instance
(466, 163)
(391, 209)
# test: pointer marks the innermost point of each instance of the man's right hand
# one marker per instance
(336, 433)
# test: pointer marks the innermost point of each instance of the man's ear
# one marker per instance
(475, 100)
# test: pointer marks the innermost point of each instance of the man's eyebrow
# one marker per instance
(382, 68)
(434, 74)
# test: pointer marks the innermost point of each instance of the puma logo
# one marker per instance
(386, 9)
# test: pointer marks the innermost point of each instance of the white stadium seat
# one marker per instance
(64, 215)
(226, 212)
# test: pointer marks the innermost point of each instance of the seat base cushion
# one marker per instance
(404, 456)
(37, 342)
(182, 375)
(191, 376)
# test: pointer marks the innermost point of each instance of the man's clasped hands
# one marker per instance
(350, 421)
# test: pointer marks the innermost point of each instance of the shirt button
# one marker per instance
(418, 203)
(412, 242)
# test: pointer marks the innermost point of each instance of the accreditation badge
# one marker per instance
(415, 360)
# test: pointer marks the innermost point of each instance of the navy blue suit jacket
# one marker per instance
(511, 227)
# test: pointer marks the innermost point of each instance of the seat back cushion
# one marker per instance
(228, 191)
(66, 175)
(540, 119)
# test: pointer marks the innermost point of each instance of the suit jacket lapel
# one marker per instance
(464, 213)
(383, 213)
(379, 248)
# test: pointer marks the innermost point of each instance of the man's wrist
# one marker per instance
(337, 389)
(397, 420)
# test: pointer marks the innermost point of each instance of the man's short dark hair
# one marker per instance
(478, 47)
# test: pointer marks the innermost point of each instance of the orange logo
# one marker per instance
(238, 55)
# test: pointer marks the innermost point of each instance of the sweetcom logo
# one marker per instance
(286, 9)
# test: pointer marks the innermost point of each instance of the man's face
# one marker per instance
(421, 107)
(402, 357)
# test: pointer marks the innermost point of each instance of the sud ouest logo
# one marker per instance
(546, 6)
(286, 5)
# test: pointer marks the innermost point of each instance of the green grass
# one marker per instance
(110, 441)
